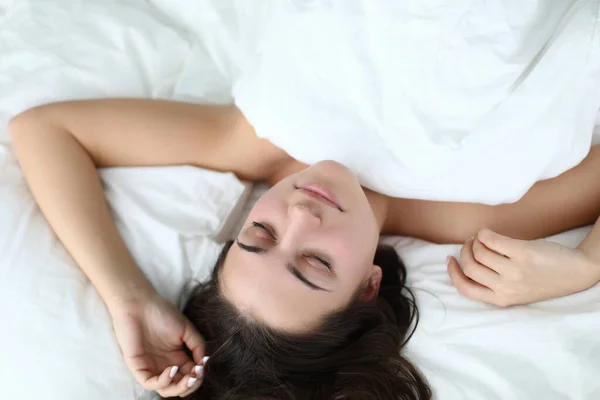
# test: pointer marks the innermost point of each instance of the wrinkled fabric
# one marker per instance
(438, 100)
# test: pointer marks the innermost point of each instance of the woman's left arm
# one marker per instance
(506, 270)
(565, 202)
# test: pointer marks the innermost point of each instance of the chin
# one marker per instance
(331, 167)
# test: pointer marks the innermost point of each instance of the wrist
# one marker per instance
(130, 295)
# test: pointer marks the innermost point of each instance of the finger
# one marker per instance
(473, 269)
(142, 362)
(143, 368)
(489, 258)
(194, 341)
(187, 368)
(466, 286)
(163, 380)
(500, 244)
(196, 386)
(188, 384)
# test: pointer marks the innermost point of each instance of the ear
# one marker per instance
(371, 290)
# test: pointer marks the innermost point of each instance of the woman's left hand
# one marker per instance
(503, 271)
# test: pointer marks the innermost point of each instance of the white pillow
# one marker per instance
(57, 340)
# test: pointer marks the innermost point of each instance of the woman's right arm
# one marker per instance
(60, 145)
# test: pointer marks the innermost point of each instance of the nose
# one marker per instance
(303, 219)
(305, 212)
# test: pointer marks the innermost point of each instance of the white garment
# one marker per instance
(439, 100)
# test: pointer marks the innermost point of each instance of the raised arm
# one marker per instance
(59, 147)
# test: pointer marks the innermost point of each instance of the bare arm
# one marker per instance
(60, 145)
(551, 206)
(591, 245)
(501, 269)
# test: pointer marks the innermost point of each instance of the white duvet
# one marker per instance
(420, 97)
(55, 337)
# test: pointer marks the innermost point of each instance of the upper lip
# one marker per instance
(319, 197)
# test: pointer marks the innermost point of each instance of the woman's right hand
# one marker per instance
(152, 334)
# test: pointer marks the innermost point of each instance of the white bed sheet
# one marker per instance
(56, 340)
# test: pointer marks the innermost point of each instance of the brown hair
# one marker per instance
(354, 354)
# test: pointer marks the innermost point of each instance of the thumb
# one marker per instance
(194, 341)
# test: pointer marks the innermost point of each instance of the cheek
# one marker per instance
(361, 232)
(353, 249)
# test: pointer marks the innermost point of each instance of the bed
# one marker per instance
(56, 340)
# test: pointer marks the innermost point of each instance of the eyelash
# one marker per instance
(270, 232)
(264, 228)
(319, 259)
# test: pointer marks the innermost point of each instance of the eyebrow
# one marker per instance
(290, 267)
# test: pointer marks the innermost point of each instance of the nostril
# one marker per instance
(307, 208)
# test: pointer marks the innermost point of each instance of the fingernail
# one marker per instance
(448, 259)
(191, 382)
(173, 372)
(205, 359)
(199, 370)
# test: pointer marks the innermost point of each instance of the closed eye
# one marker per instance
(265, 228)
(290, 267)
(317, 258)
(271, 232)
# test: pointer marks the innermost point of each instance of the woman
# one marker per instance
(298, 306)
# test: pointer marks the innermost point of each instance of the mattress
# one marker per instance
(56, 340)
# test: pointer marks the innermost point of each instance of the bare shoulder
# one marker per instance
(257, 159)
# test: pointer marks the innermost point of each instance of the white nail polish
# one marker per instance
(205, 359)
(199, 370)
(191, 382)
(448, 259)
(173, 371)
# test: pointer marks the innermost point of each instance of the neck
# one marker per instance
(379, 205)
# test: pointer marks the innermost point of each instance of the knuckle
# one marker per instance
(469, 270)
(507, 292)
(515, 275)
(529, 257)
(485, 235)
(478, 253)
(465, 290)
(463, 252)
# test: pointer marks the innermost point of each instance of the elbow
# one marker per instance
(25, 122)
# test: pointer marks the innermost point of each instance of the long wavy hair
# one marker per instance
(355, 353)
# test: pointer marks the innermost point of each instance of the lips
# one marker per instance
(321, 193)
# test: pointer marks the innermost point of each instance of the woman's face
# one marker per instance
(305, 250)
